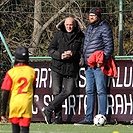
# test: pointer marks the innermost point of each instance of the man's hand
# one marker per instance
(99, 64)
(66, 54)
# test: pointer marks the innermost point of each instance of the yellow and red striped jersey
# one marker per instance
(20, 81)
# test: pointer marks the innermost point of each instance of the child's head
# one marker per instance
(21, 55)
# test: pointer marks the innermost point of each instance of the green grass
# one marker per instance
(70, 128)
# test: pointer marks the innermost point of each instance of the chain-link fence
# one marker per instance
(21, 19)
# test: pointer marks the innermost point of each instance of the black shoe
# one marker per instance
(47, 116)
(57, 120)
(83, 122)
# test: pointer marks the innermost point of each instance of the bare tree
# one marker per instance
(38, 28)
(37, 25)
(3, 2)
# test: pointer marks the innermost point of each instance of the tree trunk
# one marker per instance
(37, 25)
(38, 29)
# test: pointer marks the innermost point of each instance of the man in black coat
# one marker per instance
(65, 50)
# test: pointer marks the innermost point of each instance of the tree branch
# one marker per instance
(4, 2)
(55, 16)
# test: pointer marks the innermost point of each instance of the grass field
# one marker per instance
(70, 128)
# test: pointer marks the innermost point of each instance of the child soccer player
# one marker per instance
(19, 87)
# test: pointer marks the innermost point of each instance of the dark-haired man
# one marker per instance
(98, 36)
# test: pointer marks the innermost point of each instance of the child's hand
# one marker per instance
(3, 119)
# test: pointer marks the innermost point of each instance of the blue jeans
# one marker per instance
(96, 82)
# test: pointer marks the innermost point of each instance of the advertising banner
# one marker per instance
(120, 94)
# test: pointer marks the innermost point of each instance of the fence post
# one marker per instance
(6, 47)
(120, 27)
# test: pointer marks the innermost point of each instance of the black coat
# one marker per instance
(63, 41)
